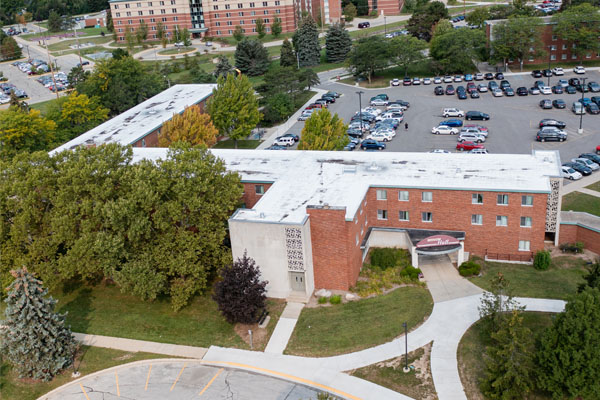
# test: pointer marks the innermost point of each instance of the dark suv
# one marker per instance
(371, 144)
(364, 25)
(472, 115)
(543, 136)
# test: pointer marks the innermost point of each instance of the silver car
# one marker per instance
(471, 137)
(587, 162)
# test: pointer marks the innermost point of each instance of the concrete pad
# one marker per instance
(292, 310)
(444, 281)
(281, 335)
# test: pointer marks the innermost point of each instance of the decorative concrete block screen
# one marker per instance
(293, 246)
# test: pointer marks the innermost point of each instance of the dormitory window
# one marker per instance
(403, 195)
(501, 220)
(526, 222)
(381, 214)
(259, 189)
(502, 200)
(524, 245)
(476, 219)
(151, 12)
(381, 194)
(426, 216)
(403, 216)
(526, 200)
(477, 198)
(427, 196)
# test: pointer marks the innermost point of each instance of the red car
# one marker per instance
(471, 87)
(469, 146)
(597, 149)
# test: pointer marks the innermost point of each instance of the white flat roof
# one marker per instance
(135, 123)
(341, 179)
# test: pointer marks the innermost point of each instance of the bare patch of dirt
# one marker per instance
(259, 336)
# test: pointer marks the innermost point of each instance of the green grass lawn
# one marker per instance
(230, 40)
(175, 51)
(577, 201)
(242, 144)
(64, 44)
(82, 33)
(471, 364)
(594, 186)
(42, 106)
(357, 325)
(558, 282)
(377, 29)
(91, 359)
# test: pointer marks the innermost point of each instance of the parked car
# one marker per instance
(476, 115)
(508, 91)
(558, 71)
(547, 73)
(334, 94)
(452, 123)
(468, 146)
(582, 88)
(426, 81)
(439, 151)
(473, 131)
(437, 80)
(499, 75)
(461, 94)
(545, 90)
(552, 122)
(546, 104)
(380, 136)
(577, 108)
(492, 85)
(416, 81)
(587, 162)
(447, 79)
(438, 90)
(284, 141)
(497, 92)
(328, 99)
(458, 78)
(305, 115)
(570, 89)
(407, 82)
(450, 90)
(475, 95)
(478, 76)
(563, 82)
(570, 173)
(594, 87)
(592, 108)
(582, 169)
(471, 137)
(504, 84)
(479, 151)
(452, 112)
(378, 102)
(362, 25)
(534, 91)
(579, 70)
(536, 73)
(444, 130)
(522, 91)
(594, 157)
(395, 82)
(557, 89)
(596, 99)
(482, 88)
(371, 144)
(324, 103)
(544, 135)
(574, 81)
(488, 76)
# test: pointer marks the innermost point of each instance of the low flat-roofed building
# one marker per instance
(140, 125)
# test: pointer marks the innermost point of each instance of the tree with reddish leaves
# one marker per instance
(240, 293)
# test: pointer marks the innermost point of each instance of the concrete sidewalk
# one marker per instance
(284, 329)
(579, 186)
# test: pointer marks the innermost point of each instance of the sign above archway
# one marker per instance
(437, 240)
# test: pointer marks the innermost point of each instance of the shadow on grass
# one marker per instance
(79, 308)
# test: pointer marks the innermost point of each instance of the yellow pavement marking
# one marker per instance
(148, 378)
(180, 372)
(287, 376)
(83, 390)
(210, 382)
(117, 380)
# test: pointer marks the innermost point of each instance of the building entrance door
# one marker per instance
(297, 280)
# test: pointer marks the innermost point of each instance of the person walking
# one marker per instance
(406, 126)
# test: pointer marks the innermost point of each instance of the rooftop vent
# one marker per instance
(262, 215)
(373, 167)
(152, 112)
(349, 169)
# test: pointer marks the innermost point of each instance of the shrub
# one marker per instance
(374, 13)
(411, 272)
(579, 246)
(572, 247)
(469, 268)
(322, 300)
(542, 260)
(384, 258)
(335, 299)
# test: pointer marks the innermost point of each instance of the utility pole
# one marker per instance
(405, 325)
(549, 55)
(49, 62)
(580, 130)
(78, 47)
(359, 93)
(385, 24)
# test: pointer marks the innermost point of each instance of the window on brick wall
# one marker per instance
(141, 20)
(174, 10)
(251, 5)
(175, 18)
(525, 222)
(153, 20)
(553, 57)
(116, 6)
(403, 195)
(227, 15)
(163, 11)
(554, 37)
(403, 215)
(477, 198)
(151, 12)
(216, 15)
(253, 13)
(427, 197)
(120, 29)
(501, 220)
(476, 219)
(259, 189)
(426, 216)
(381, 194)
(527, 200)
(153, 28)
(502, 200)
(139, 4)
(149, 4)
(130, 21)
(266, 12)
(217, 23)
(227, 6)
(118, 15)
(381, 214)
(241, 14)
(574, 56)
(119, 22)
(126, 5)
(563, 56)
(164, 19)
(278, 11)
(140, 13)
(128, 13)
(564, 46)
(162, 3)
(267, 20)
(229, 23)
(277, 2)
(524, 245)
(242, 22)
(240, 5)
(357, 239)
(172, 1)
(215, 7)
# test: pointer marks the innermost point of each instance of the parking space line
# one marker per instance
(210, 382)
(117, 381)
(83, 390)
(148, 378)
(286, 376)
(178, 375)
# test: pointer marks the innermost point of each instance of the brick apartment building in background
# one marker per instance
(216, 18)
(557, 50)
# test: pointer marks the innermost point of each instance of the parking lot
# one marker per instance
(512, 126)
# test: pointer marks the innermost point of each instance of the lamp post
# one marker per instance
(580, 130)
(385, 24)
(406, 369)
(359, 93)
(549, 58)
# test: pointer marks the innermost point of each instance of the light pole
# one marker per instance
(406, 369)
(359, 93)
(549, 55)
(580, 130)
(385, 24)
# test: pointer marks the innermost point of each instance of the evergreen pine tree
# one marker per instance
(306, 42)
(287, 57)
(337, 43)
(35, 339)
(251, 57)
(223, 67)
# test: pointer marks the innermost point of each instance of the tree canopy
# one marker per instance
(421, 23)
(322, 131)
(407, 50)
(337, 43)
(455, 50)
(516, 37)
(306, 42)
(580, 26)
(22, 130)
(251, 57)
(192, 126)
(368, 55)
(287, 57)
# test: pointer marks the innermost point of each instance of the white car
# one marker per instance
(379, 102)
(497, 92)
(558, 71)
(588, 163)
(458, 78)
(372, 110)
(473, 131)
(570, 173)
(545, 90)
(579, 70)
(452, 112)
(482, 88)
(426, 81)
(395, 82)
(444, 130)
(395, 107)
(447, 79)
(440, 151)
(380, 136)
(284, 141)
(437, 80)
(4, 99)
(305, 115)
(397, 115)
(478, 76)
(479, 151)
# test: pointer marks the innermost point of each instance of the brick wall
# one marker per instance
(386, 7)
(575, 233)
(250, 197)
(219, 22)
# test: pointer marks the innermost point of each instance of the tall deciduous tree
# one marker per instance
(337, 43)
(455, 51)
(580, 26)
(421, 23)
(185, 37)
(141, 33)
(260, 28)
(223, 67)
(496, 303)
(191, 126)
(34, 338)
(350, 12)
(24, 131)
(478, 16)
(306, 42)
(407, 50)
(238, 33)
(276, 27)
(251, 57)
(287, 57)
(54, 22)
(9, 49)
(516, 37)
(234, 107)
(322, 131)
(568, 357)
(441, 27)
(509, 363)
(77, 75)
(368, 55)
(240, 293)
